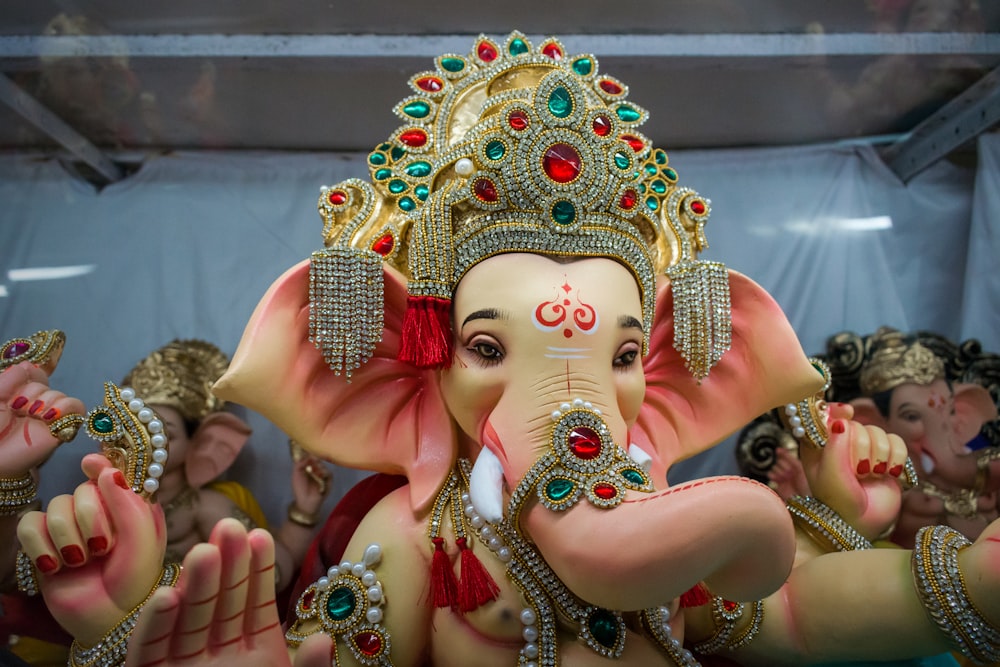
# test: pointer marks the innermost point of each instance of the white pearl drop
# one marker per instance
(556, 414)
(159, 440)
(795, 421)
(790, 409)
(530, 634)
(150, 486)
(464, 167)
(322, 583)
(155, 426)
(373, 554)
(466, 498)
(127, 394)
(565, 406)
(495, 544)
(528, 616)
(531, 650)
(145, 415)
(469, 510)
(358, 569)
(333, 572)
(346, 566)
(374, 593)
(155, 470)
(588, 405)
(160, 455)
(798, 431)
(476, 521)
(135, 404)
(369, 578)
(578, 403)
(374, 615)
(504, 555)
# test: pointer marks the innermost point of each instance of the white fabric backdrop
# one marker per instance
(186, 247)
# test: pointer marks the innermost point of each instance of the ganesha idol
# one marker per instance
(509, 321)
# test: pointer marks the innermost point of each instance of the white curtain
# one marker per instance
(187, 245)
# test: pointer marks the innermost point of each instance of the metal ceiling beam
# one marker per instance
(962, 119)
(42, 118)
(737, 45)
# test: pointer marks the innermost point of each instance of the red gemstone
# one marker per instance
(610, 87)
(584, 443)
(518, 120)
(369, 643)
(553, 51)
(384, 245)
(698, 207)
(561, 163)
(729, 605)
(486, 190)
(487, 52)
(635, 142)
(431, 84)
(307, 599)
(15, 350)
(629, 199)
(605, 491)
(414, 138)
(337, 197)
(602, 126)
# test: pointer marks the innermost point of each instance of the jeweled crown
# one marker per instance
(180, 375)
(897, 359)
(509, 149)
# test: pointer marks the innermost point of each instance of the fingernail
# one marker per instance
(97, 545)
(50, 414)
(896, 471)
(35, 407)
(72, 554)
(47, 564)
(864, 466)
(880, 467)
(120, 480)
(19, 402)
(838, 426)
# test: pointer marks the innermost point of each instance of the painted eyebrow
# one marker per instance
(629, 322)
(485, 314)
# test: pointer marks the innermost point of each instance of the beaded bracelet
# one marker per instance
(17, 494)
(110, 650)
(943, 593)
(726, 615)
(826, 527)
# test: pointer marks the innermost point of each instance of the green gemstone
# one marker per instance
(670, 174)
(627, 114)
(418, 169)
(453, 64)
(560, 102)
(382, 174)
(407, 204)
(564, 213)
(421, 191)
(660, 156)
(102, 422)
(495, 149)
(377, 158)
(622, 160)
(658, 186)
(398, 152)
(417, 109)
(558, 489)
(642, 188)
(652, 203)
(634, 476)
(603, 627)
(396, 186)
(650, 169)
(384, 147)
(583, 66)
(517, 47)
(341, 603)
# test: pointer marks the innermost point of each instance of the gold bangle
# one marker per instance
(824, 526)
(17, 494)
(298, 517)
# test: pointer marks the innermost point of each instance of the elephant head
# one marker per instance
(519, 282)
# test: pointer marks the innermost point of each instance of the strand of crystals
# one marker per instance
(658, 623)
(942, 591)
(830, 525)
(16, 493)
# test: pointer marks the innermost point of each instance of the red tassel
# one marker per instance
(426, 337)
(476, 587)
(444, 588)
(696, 596)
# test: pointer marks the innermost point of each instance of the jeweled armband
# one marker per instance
(727, 615)
(17, 494)
(806, 419)
(347, 605)
(827, 528)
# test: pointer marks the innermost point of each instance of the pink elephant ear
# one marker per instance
(214, 446)
(765, 367)
(973, 408)
(389, 418)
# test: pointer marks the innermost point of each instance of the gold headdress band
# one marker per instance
(894, 360)
(180, 375)
(509, 149)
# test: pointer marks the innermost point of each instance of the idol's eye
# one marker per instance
(486, 351)
(627, 356)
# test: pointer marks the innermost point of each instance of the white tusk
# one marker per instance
(486, 486)
(639, 455)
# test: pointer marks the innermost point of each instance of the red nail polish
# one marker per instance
(864, 466)
(97, 545)
(880, 468)
(19, 402)
(50, 414)
(838, 426)
(72, 554)
(120, 480)
(47, 564)
(35, 407)
(896, 471)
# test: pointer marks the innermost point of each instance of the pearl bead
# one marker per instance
(374, 593)
(556, 414)
(504, 555)
(159, 440)
(565, 406)
(358, 569)
(160, 455)
(155, 426)
(578, 403)
(333, 572)
(528, 616)
(588, 405)
(373, 554)
(374, 615)
(369, 578)
(345, 566)
(466, 498)
(322, 583)
(476, 521)
(790, 409)
(145, 415)
(531, 650)
(135, 404)
(798, 432)
(469, 510)
(150, 486)
(495, 544)
(530, 634)
(464, 167)
(127, 394)
(155, 470)
(795, 421)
